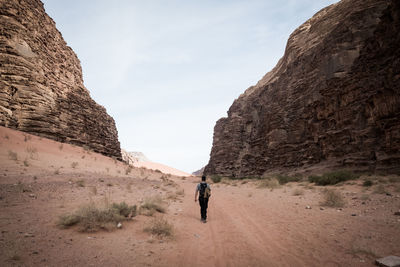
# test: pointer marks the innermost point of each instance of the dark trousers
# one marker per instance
(203, 207)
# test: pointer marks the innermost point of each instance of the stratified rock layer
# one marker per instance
(333, 99)
(41, 86)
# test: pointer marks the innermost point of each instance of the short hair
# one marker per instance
(203, 178)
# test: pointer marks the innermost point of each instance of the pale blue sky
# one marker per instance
(166, 71)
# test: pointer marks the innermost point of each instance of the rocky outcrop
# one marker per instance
(333, 99)
(41, 86)
(133, 157)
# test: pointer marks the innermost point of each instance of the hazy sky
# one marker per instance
(166, 71)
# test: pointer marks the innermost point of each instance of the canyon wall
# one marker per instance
(41, 85)
(332, 100)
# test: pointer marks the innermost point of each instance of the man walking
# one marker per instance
(204, 191)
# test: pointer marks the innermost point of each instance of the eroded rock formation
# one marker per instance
(333, 99)
(41, 86)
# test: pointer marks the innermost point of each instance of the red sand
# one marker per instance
(248, 226)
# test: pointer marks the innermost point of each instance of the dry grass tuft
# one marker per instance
(91, 218)
(151, 205)
(380, 189)
(333, 198)
(80, 183)
(128, 170)
(12, 155)
(298, 192)
(271, 183)
(32, 151)
(74, 164)
(160, 227)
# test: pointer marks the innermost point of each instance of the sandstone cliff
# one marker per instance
(333, 99)
(41, 86)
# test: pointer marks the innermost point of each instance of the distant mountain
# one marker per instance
(139, 160)
(133, 157)
(199, 172)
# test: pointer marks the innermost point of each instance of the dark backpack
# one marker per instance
(204, 190)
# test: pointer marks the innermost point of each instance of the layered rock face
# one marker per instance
(41, 85)
(333, 99)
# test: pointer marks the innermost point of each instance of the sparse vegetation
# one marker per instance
(367, 183)
(298, 192)
(160, 227)
(32, 151)
(332, 198)
(12, 155)
(27, 137)
(91, 218)
(26, 163)
(80, 183)
(394, 179)
(15, 257)
(380, 189)
(151, 205)
(216, 178)
(6, 136)
(364, 197)
(332, 178)
(270, 183)
(57, 171)
(128, 170)
(284, 179)
(109, 184)
(74, 164)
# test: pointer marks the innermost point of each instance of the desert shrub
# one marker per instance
(27, 138)
(80, 183)
(152, 204)
(216, 178)
(332, 198)
(128, 170)
(32, 151)
(298, 192)
(270, 183)
(332, 178)
(124, 209)
(91, 218)
(12, 155)
(74, 164)
(367, 183)
(26, 163)
(160, 227)
(380, 189)
(284, 179)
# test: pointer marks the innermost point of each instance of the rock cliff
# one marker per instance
(41, 85)
(332, 100)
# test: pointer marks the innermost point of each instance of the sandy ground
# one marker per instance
(247, 226)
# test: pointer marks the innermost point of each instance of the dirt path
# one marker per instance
(255, 227)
